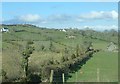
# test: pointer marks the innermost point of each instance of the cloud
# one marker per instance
(114, 14)
(99, 15)
(35, 18)
(29, 18)
(67, 19)
(59, 18)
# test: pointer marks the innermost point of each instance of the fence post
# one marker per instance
(63, 78)
(51, 76)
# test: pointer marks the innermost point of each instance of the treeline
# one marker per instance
(68, 61)
(107, 35)
(66, 64)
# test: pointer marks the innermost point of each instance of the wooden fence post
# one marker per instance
(51, 76)
(63, 78)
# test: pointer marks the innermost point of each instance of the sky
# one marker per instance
(60, 0)
(96, 15)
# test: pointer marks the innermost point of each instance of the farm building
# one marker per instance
(4, 30)
(112, 47)
(63, 30)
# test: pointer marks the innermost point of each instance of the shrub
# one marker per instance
(30, 42)
(73, 56)
(51, 47)
(64, 58)
(77, 50)
(57, 62)
(3, 74)
(66, 51)
(42, 47)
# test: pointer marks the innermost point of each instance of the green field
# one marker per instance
(97, 69)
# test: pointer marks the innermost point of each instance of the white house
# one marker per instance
(63, 30)
(4, 30)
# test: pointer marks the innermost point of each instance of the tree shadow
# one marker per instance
(35, 78)
(76, 67)
(72, 69)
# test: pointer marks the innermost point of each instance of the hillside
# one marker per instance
(50, 46)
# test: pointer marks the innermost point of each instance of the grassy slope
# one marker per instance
(107, 64)
(12, 59)
(11, 54)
